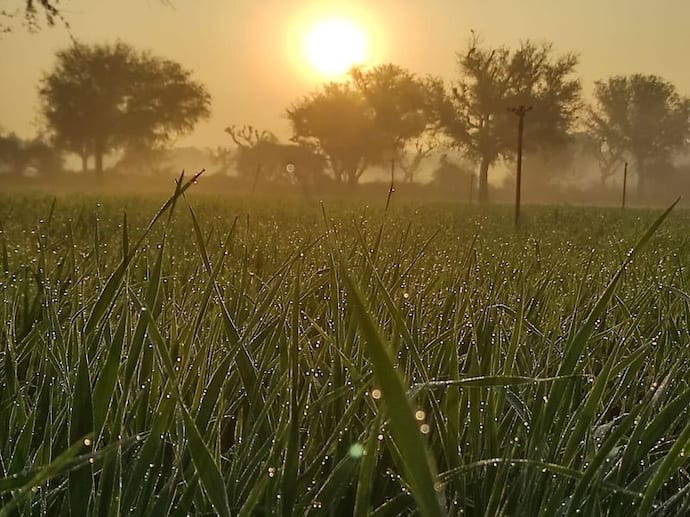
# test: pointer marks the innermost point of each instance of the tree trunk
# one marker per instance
(98, 155)
(484, 181)
(84, 162)
(643, 180)
(352, 180)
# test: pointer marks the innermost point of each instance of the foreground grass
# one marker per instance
(257, 360)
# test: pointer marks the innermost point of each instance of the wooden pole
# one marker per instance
(520, 112)
(625, 183)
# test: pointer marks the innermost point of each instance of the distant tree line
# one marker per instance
(18, 156)
(110, 99)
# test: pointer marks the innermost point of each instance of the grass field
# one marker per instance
(260, 360)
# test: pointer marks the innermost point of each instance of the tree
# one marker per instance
(451, 177)
(475, 116)
(364, 121)
(11, 154)
(401, 104)
(411, 159)
(608, 159)
(17, 155)
(642, 117)
(260, 155)
(338, 123)
(105, 97)
(33, 11)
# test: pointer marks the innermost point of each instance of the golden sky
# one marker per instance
(248, 52)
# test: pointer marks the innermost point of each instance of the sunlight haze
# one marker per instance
(251, 53)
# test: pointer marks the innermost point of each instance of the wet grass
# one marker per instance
(207, 359)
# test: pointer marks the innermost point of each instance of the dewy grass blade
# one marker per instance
(114, 283)
(243, 359)
(41, 476)
(672, 461)
(647, 433)
(205, 465)
(445, 477)
(5, 253)
(403, 428)
(80, 483)
(487, 381)
(367, 468)
(107, 380)
(584, 418)
(292, 447)
(578, 343)
(586, 481)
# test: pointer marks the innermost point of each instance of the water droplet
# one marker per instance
(356, 450)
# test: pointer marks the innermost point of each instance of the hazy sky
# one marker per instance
(247, 51)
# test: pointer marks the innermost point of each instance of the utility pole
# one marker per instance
(625, 183)
(519, 111)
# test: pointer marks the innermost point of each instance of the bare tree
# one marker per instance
(410, 160)
(249, 136)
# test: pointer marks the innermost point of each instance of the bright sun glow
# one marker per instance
(333, 46)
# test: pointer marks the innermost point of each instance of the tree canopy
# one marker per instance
(492, 80)
(639, 117)
(260, 156)
(105, 97)
(364, 121)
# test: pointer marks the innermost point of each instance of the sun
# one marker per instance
(333, 46)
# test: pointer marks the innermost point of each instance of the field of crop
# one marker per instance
(219, 357)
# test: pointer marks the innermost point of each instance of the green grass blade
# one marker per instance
(365, 481)
(107, 380)
(206, 467)
(672, 461)
(579, 341)
(80, 484)
(404, 427)
(292, 447)
(44, 474)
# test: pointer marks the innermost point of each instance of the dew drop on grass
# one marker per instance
(356, 450)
